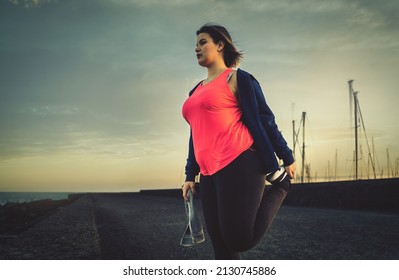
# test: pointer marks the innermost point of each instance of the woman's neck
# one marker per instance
(215, 70)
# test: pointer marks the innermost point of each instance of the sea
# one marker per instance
(20, 197)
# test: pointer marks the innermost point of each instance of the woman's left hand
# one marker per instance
(291, 169)
(186, 186)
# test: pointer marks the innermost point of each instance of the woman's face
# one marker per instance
(207, 51)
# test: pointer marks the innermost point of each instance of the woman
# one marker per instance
(233, 144)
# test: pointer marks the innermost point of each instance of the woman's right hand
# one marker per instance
(186, 186)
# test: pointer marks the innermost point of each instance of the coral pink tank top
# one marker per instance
(214, 115)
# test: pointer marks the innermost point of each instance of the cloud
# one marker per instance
(157, 3)
(312, 24)
(31, 3)
(52, 110)
(109, 85)
(293, 6)
(79, 132)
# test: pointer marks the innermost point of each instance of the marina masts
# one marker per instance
(358, 119)
(353, 94)
(296, 141)
(303, 145)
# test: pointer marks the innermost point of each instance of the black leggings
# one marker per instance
(237, 209)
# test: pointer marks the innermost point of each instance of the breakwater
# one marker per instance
(380, 194)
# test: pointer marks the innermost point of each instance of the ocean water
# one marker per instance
(30, 196)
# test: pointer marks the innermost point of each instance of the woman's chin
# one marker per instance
(202, 63)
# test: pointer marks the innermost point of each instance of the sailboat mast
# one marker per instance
(356, 138)
(294, 140)
(356, 155)
(303, 146)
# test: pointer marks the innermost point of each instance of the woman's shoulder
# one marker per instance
(232, 81)
(232, 75)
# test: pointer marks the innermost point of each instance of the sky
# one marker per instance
(91, 90)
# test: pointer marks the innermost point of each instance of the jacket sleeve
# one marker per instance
(277, 140)
(192, 167)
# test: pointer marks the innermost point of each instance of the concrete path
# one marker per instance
(137, 226)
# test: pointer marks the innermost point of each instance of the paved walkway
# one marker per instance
(69, 233)
(137, 226)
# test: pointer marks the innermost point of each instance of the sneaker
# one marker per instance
(280, 179)
(276, 176)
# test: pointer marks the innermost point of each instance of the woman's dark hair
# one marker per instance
(231, 55)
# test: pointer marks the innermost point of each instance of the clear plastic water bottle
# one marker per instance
(194, 232)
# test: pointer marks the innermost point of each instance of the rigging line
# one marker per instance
(311, 138)
(350, 101)
(367, 141)
(297, 142)
(375, 155)
(296, 136)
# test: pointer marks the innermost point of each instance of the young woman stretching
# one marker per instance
(233, 144)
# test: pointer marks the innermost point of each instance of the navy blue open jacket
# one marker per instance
(259, 119)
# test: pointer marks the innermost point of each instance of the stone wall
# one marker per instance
(381, 194)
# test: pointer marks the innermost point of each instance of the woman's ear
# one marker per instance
(220, 46)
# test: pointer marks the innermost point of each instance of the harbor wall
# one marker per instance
(380, 194)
